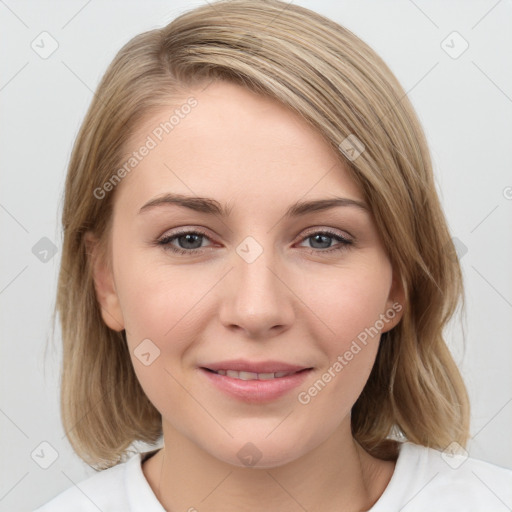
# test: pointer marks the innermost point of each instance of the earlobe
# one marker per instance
(104, 285)
(395, 305)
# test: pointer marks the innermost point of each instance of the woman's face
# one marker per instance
(249, 281)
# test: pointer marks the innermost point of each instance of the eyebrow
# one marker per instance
(213, 207)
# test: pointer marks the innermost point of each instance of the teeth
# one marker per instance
(265, 376)
(247, 375)
(251, 375)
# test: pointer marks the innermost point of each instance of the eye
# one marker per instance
(189, 242)
(321, 241)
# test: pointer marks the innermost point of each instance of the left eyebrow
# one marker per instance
(302, 208)
(213, 207)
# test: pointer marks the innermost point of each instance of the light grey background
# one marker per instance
(464, 103)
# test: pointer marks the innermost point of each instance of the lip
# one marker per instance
(242, 365)
(255, 391)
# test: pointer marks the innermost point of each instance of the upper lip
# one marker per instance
(241, 365)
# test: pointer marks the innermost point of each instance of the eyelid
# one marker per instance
(344, 242)
(184, 231)
(331, 231)
(165, 239)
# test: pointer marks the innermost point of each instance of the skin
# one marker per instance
(294, 303)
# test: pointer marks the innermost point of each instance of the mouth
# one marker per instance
(254, 382)
(243, 375)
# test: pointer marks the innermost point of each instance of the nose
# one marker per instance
(257, 300)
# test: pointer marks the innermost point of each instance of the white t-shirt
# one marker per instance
(424, 480)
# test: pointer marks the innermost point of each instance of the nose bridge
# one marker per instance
(256, 300)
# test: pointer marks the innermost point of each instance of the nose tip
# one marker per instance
(255, 299)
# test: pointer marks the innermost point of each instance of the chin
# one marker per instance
(259, 454)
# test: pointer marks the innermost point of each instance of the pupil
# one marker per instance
(323, 240)
(326, 240)
(189, 239)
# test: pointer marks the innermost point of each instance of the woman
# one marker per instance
(257, 271)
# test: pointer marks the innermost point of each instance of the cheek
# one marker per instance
(161, 303)
(348, 299)
(163, 317)
(168, 304)
(350, 302)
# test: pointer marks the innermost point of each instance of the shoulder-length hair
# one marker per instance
(339, 85)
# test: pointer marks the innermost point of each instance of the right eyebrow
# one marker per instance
(199, 204)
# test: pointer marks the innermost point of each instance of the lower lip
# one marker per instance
(256, 391)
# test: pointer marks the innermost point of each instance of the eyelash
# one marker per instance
(344, 244)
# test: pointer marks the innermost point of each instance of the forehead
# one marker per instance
(232, 144)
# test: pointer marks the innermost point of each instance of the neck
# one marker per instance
(337, 475)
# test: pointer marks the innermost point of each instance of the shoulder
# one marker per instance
(102, 491)
(428, 479)
(117, 488)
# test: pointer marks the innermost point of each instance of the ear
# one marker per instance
(395, 305)
(104, 284)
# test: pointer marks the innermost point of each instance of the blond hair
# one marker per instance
(339, 85)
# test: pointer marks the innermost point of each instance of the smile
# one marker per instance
(251, 375)
(255, 383)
